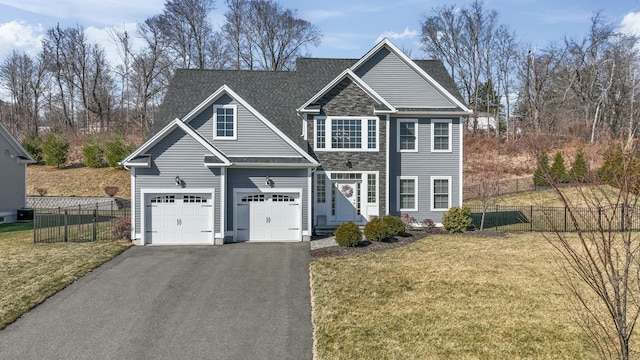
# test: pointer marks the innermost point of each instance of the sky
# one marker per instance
(350, 27)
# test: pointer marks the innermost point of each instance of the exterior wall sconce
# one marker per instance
(267, 181)
(348, 164)
(178, 181)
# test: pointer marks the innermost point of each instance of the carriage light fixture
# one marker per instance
(178, 181)
(267, 181)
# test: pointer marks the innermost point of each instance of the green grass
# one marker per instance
(30, 273)
(548, 197)
(446, 297)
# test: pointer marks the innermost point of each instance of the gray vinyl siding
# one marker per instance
(255, 179)
(254, 137)
(177, 154)
(399, 84)
(424, 164)
(12, 191)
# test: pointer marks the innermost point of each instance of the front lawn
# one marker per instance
(446, 297)
(30, 273)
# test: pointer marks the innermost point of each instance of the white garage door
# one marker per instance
(268, 217)
(179, 219)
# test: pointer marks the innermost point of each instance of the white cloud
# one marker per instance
(18, 35)
(630, 24)
(406, 34)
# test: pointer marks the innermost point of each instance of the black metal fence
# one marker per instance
(555, 218)
(510, 186)
(79, 223)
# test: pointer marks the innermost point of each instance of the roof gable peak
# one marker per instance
(348, 73)
(386, 43)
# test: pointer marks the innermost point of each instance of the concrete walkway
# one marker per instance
(237, 301)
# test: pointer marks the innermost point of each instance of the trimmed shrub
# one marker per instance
(457, 220)
(122, 228)
(543, 169)
(33, 145)
(393, 225)
(619, 167)
(116, 150)
(579, 169)
(93, 155)
(348, 234)
(55, 150)
(374, 230)
(558, 169)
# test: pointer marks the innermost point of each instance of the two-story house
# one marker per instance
(269, 156)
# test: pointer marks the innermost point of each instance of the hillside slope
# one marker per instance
(76, 181)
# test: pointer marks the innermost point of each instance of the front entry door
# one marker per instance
(346, 200)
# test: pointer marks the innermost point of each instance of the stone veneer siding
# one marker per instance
(347, 99)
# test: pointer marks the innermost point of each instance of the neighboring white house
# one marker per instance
(485, 122)
(13, 176)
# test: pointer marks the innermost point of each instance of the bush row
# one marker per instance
(53, 150)
(377, 229)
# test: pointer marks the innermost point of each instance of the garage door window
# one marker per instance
(164, 199)
(253, 198)
(194, 199)
(283, 198)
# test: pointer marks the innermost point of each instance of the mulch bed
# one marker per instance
(366, 246)
(409, 237)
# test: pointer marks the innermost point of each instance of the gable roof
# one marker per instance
(276, 94)
(136, 158)
(22, 155)
(385, 43)
(226, 90)
(348, 73)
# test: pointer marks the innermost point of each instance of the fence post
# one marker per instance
(66, 222)
(531, 219)
(95, 225)
(35, 227)
(622, 217)
(565, 218)
(599, 217)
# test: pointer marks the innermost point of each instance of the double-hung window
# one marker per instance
(441, 193)
(407, 188)
(407, 135)
(441, 135)
(346, 133)
(225, 122)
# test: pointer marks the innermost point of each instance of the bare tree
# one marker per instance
(263, 35)
(601, 260)
(537, 73)
(506, 51)
(487, 188)
(23, 77)
(187, 31)
(463, 38)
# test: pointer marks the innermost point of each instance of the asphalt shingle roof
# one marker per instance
(275, 94)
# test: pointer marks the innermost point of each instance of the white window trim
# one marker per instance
(364, 133)
(415, 192)
(415, 121)
(317, 175)
(432, 200)
(235, 122)
(447, 121)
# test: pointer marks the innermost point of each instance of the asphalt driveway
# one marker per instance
(237, 301)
